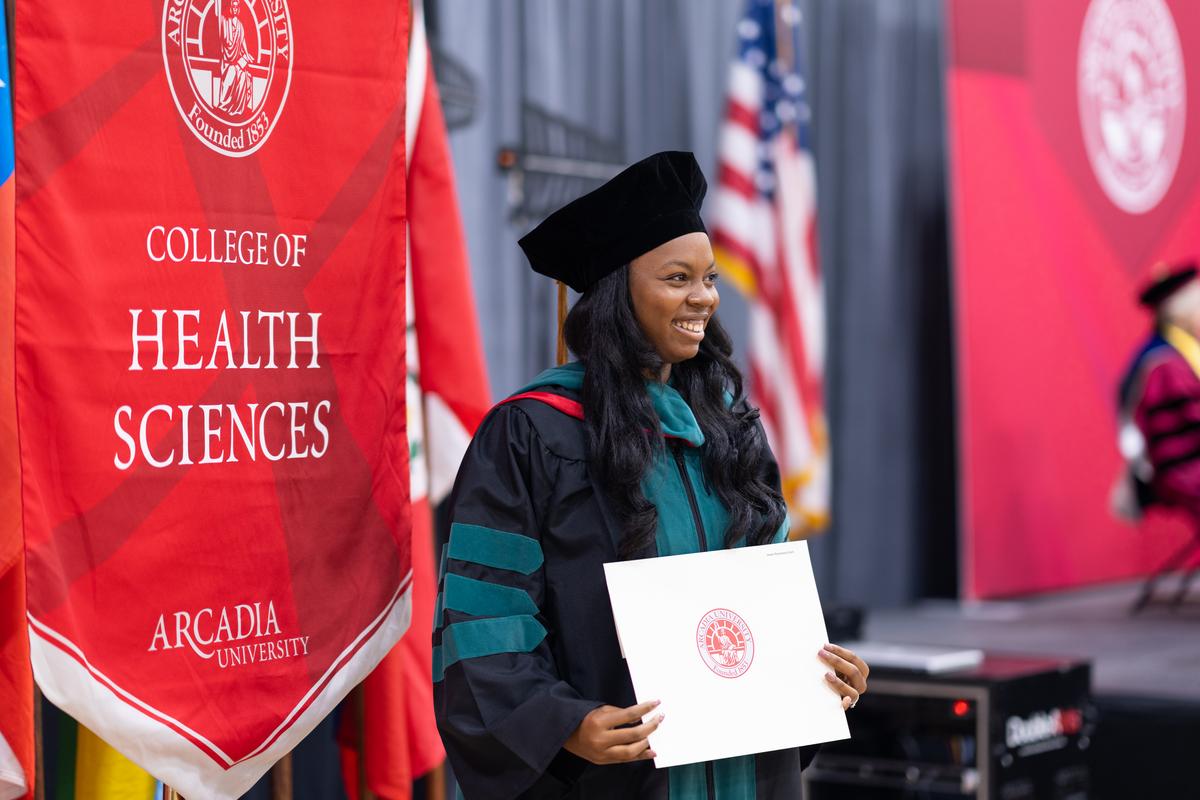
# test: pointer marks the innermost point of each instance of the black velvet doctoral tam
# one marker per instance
(650, 203)
(1165, 282)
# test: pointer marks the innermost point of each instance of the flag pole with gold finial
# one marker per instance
(562, 318)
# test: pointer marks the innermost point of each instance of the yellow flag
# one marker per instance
(101, 773)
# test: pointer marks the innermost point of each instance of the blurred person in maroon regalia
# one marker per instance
(1160, 414)
(1160, 400)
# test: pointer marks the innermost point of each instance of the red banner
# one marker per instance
(210, 368)
(1074, 149)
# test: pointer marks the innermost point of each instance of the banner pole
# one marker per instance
(562, 318)
(281, 779)
(435, 786)
(39, 758)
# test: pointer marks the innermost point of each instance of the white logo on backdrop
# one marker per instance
(1132, 99)
(229, 66)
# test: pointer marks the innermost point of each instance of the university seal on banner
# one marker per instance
(1132, 99)
(725, 643)
(229, 66)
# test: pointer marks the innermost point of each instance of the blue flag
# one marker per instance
(6, 116)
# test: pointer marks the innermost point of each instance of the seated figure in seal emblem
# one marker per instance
(730, 654)
(237, 84)
(647, 446)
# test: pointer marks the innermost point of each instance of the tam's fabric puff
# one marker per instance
(1165, 282)
(649, 203)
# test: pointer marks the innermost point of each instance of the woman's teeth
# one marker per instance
(692, 326)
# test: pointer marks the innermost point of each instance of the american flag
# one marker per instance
(764, 236)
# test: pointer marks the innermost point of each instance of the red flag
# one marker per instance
(453, 376)
(398, 726)
(448, 397)
(210, 268)
(16, 677)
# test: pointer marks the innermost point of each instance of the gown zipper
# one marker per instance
(691, 495)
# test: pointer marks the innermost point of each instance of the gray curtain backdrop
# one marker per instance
(646, 75)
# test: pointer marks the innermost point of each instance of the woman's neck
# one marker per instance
(663, 375)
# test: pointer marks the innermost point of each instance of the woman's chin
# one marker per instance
(684, 354)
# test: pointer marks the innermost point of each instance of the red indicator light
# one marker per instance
(961, 708)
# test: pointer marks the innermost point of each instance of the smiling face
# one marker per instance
(1182, 308)
(674, 293)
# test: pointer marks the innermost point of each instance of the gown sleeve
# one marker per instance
(502, 709)
(1168, 416)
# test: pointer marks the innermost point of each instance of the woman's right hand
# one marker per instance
(601, 740)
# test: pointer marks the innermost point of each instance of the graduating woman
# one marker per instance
(646, 446)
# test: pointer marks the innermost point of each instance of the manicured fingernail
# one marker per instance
(823, 653)
(829, 647)
(661, 717)
(653, 754)
(829, 676)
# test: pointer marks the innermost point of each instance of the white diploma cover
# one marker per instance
(728, 641)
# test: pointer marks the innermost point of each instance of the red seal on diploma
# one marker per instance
(725, 643)
(229, 66)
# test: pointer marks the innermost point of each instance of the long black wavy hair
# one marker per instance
(624, 432)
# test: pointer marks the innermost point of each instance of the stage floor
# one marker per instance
(1155, 654)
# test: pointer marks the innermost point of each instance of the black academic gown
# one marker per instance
(525, 644)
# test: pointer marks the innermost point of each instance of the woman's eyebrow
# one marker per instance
(685, 264)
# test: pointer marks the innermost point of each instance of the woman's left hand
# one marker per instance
(849, 673)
